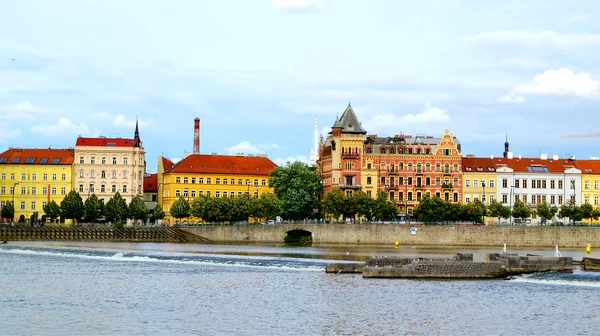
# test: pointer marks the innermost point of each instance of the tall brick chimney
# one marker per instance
(197, 136)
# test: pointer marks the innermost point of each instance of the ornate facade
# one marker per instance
(407, 167)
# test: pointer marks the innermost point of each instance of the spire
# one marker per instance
(506, 150)
(136, 134)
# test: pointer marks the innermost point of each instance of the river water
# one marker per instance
(71, 288)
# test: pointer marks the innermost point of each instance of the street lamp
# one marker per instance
(14, 190)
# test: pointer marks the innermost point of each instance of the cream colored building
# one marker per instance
(103, 166)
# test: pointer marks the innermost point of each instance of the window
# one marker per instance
(383, 180)
(368, 165)
(93, 160)
(587, 199)
(53, 190)
(103, 160)
(552, 199)
(44, 190)
(102, 188)
(468, 183)
(572, 184)
(544, 184)
(200, 192)
(63, 190)
(114, 174)
(595, 200)
(23, 176)
(560, 185)
(185, 193)
(504, 198)
(178, 180)
(263, 182)
(56, 161)
(22, 205)
(125, 160)
(517, 183)
(114, 188)
(43, 160)
(81, 188)
(455, 182)
(208, 180)
(438, 167)
(232, 181)
(552, 184)
(410, 166)
(438, 181)
(3, 190)
(217, 181)
(81, 160)
(217, 194)
(12, 190)
(194, 193)
(475, 183)
(125, 174)
(54, 177)
(91, 188)
(44, 203)
(185, 180)
(103, 174)
(524, 183)
(193, 180)
(586, 184)
(177, 193)
(124, 188)
(12, 176)
(492, 183)
(92, 174)
(63, 177)
(23, 190)
(491, 197)
(256, 183)
(4, 176)
(368, 179)
(225, 194)
(201, 180)
(81, 173)
(33, 190)
(114, 160)
(240, 181)
(447, 168)
(560, 199)
(596, 184)
(455, 168)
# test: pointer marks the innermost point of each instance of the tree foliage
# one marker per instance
(383, 208)
(92, 209)
(115, 209)
(297, 186)
(158, 213)
(521, 210)
(180, 208)
(496, 209)
(71, 206)
(267, 206)
(8, 211)
(137, 209)
(334, 203)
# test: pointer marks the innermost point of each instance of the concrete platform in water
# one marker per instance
(462, 266)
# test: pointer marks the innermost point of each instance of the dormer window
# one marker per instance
(468, 168)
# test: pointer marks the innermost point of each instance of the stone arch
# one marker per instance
(298, 236)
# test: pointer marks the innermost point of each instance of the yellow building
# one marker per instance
(30, 178)
(479, 181)
(590, 182)
(211, 175)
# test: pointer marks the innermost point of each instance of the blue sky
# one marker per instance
(257, 73)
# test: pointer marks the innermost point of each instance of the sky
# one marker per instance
(257, 73)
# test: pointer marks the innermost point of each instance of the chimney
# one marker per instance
(544, 156)
(555, 157)
(470, 155)
(519, 156)
(492, 157)
(197, 136)
(509, 155)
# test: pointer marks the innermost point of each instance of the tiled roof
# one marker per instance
(151, 183)
(475, 164)
(589, 166)
(349, 123)
(224, 164)
(536, 165)
(107, 142)
(166, 164)
(37, 156)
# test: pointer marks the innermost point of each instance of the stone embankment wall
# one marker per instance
(158, 234)
(382, 234)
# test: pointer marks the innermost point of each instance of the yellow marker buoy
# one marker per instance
(396, 243)
(588, 249)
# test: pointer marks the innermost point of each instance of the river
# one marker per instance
(84, 288)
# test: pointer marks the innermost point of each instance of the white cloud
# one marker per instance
(24, 110)
(579, 18)
(560, 82)
(244, 147)
(536, 39)
(282, 161)
(121, 121)
(389, 122)
(325, 131)
(64, 128)
(6, 133)
(299, 5)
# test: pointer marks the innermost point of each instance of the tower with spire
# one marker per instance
(136, 135)
(506, 151)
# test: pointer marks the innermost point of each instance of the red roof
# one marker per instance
(151, 183)
(108, 142)
(37, 156)
(536, 165)
(224, 164)
(166, 164)
(589, 166)
(475, 164)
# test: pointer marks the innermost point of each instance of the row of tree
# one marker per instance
(360, 205)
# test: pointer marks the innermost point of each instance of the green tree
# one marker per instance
(384, 209)
(544, 211)
(92, 208)
(474, 211)
(158, 213)
(430, 210)
(496, 209)
(71, 206)
(587, 211)
(298, 186)
(115, 210)
(520, 210)
(8, 211)
(52, 210)
(137, 209)
(268, 206)
(363, 204)
(180, 208)
(566, 211)
(334, 203)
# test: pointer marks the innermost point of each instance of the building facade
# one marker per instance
(212, 175)
(30, 178)
(479, 179)
(590, 181)
(406, 167)
(104, 166)
(150, 190)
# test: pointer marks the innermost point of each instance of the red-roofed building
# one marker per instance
(32, 177)
(212, 175)
(479, 179)
(590, 187)
(104, 166)
(150, 190)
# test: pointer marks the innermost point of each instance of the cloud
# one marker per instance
(24, 110)
(282, 161)
(536, 39)
(579, 18)
(560, 82)
(64, 128)
(390, 122)
(121, 121)
(325, 131)
(7, 133)
(244, 147)
(299, 6)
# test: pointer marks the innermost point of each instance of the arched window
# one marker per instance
(81, 173)
(401, 166)
(103, 174)
(447, 168)
(369, 150)
(125, 174)
(392, 150)
(92, 173)
(383, 151)
(419, 168)
(438, 181)
(410, 166)
(428, 167)
(456, 167)
(438, 167)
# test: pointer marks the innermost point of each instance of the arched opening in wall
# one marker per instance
(22, 219)
(298, 237)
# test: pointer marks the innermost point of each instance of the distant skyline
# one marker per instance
(257, 73)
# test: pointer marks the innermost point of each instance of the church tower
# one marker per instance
(506, 151)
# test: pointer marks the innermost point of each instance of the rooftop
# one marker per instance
(224, 164)
(37, 156)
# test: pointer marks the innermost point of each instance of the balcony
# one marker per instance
(447, 173)
(349, 155)
(391, 187)
(419, 171)
(349, 186)
(446, 185)
(419, 186)
(393, 172)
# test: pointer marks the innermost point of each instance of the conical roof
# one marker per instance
(349, 123)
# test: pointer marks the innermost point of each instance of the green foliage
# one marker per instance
(362, 204)
(92, 208)
(268, 206)
(137, 209)
(474, 211)
(115, 209)
(229, 209)
(521, 210)
(544, 211)
(431, 210)
(334, 203)
(180, 208)
(496, 209)
(8, 211)
(587, 211)
(297, 186)
(157, 213)
(71, 206)
(384, 209)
